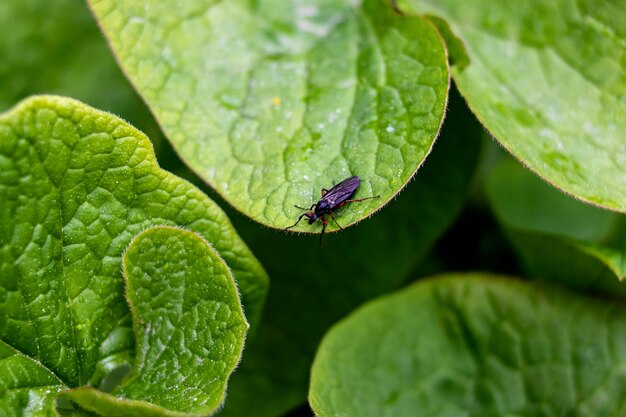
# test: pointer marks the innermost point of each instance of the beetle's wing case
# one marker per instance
(342, 191)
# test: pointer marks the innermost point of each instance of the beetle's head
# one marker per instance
(312, 217)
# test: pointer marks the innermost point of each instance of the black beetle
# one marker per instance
(331, 200)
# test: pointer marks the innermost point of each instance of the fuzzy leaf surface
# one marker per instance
(189, 326)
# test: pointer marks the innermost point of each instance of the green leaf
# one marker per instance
(76, 185)
(313, 288)
(558, 238)
(547, 79)
(26, 387)
(476, 345)
(188, 323)
(268, 104)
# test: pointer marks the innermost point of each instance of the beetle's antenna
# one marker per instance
(310, 208)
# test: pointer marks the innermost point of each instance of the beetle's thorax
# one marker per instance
(322, 207)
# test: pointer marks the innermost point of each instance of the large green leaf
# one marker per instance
(474, 345)
(313, 288)
(188, 323)
(559, 238)
(269, 102)
(547, 79)
(76, 185)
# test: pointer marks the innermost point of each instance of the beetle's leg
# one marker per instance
(296, 223)
(360, 199)
(335, 220)
(325, 222)
(324, 191)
